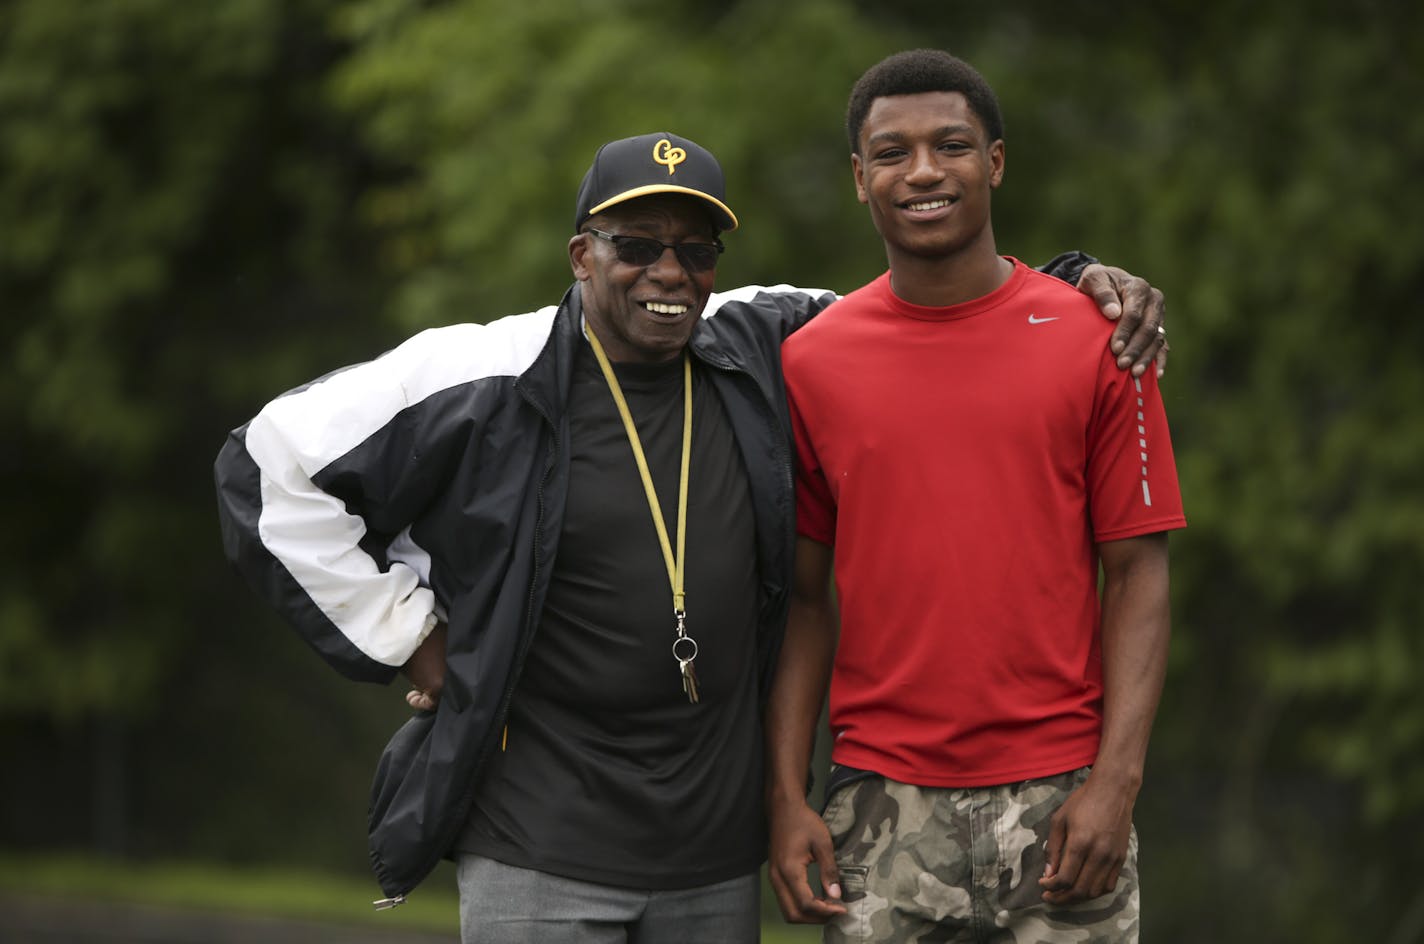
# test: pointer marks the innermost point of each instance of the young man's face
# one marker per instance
(925, 169)
(643, 313)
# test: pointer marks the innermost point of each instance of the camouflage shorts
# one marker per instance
(930, 864)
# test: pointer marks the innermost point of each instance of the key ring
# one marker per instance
(679, 641)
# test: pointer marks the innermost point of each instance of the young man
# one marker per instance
(970, 452)
(572, 530)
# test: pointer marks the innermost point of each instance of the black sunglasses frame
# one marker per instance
(632, 250)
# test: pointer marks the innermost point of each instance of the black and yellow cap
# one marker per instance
(650, 164)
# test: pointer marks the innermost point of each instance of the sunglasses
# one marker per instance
(642, 251)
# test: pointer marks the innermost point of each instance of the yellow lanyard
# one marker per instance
(685, 653)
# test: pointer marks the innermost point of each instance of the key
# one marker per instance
(689, 679)
(684, 650)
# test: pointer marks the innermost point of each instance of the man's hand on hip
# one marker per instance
(426, 671)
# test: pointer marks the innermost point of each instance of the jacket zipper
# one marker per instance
(778, 444)
(521, 653)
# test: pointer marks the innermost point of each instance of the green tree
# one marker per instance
(177, 244)
(497, 111)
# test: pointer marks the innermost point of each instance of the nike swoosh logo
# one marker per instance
(1033, 320)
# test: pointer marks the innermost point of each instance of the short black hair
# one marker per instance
(922, 70)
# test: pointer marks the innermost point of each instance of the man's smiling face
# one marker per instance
(643, 313)
(926, 169)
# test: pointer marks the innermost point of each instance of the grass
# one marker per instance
(265, 891)
(270, 892)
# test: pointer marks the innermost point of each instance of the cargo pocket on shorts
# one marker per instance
(854, 925)
(839, 817)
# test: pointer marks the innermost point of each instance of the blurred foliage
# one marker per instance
(498, 111)
(178, 242)
(202, 205)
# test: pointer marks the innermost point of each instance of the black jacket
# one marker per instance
(430, 483)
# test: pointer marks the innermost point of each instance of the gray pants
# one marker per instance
(503, 904)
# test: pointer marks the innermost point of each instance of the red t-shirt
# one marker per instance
(963, 462)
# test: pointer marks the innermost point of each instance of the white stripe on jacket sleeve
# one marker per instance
(387, 614)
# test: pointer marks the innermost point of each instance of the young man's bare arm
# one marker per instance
(1089, 837)
(798, 836)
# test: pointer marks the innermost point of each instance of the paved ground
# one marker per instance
(51, 921)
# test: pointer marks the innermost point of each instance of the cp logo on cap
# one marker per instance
(665, 153)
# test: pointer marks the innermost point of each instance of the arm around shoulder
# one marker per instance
(785, 307)
(1140, 311)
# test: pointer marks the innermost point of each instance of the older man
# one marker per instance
(573, 530)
